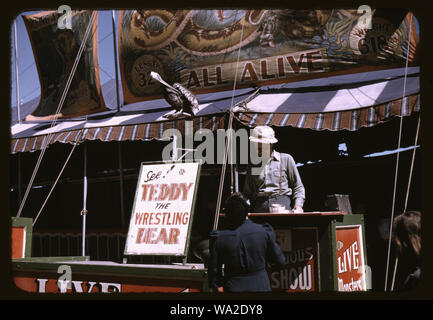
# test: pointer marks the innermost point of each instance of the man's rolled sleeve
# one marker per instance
(295, 182)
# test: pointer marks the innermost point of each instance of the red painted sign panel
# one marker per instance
(350, 259)
(301, 272)
(95, 284)
(18, 242)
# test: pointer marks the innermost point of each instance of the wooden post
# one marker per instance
(84, 210)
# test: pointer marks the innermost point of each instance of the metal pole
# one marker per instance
(174, 153)
(84, 211)
(122, 210)
(59, 107)
(232, 178)
(119, 149)
(19, 178)
(16, 74)
(17, 91)
(115, 61)
(57, 179)
(236, 178)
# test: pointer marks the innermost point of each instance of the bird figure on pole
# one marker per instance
(181, 99)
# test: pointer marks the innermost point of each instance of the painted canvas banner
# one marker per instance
(210, 50)
(55, 51)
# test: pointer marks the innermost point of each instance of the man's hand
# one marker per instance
(297, 209)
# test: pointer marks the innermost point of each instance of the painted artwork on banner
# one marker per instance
(89, 283)
(300, 248)
(163, 209)
(55, 51)
(206, 50)
(350, 259)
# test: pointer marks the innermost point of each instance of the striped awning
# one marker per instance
(339, 120)
(344, 102)
(141, 131)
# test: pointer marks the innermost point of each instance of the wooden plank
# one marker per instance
(24, 237)
(304, 214)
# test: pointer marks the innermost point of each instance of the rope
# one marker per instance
(394, 273)
(62, 100)
(407, 195)
(58, 177)
(228, 144)
(398, 159)
(411, 164)
(231, 106)
(221, 186)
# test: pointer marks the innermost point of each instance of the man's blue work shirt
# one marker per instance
(278, 177)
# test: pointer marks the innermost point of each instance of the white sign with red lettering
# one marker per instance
(162, 212)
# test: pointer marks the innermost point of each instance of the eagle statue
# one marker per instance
(181, 99)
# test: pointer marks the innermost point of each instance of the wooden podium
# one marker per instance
(325, 251)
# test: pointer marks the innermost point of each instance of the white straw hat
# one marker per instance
(263, 134)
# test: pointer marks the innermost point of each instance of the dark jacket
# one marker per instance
(244, 253)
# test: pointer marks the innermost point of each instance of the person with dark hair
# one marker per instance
(240, 253)
(407, 240)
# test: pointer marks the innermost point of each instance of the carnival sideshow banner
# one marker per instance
(206, 50)
(350, 259)
(55, 51)
(301, 250)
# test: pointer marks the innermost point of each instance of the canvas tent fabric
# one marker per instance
(351, 88)
(55, 51)
(333, 103)
(346, 102)
(210, 50)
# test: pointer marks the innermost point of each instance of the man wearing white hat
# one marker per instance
(278, 182)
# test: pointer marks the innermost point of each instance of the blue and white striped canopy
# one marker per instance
(340, 102)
